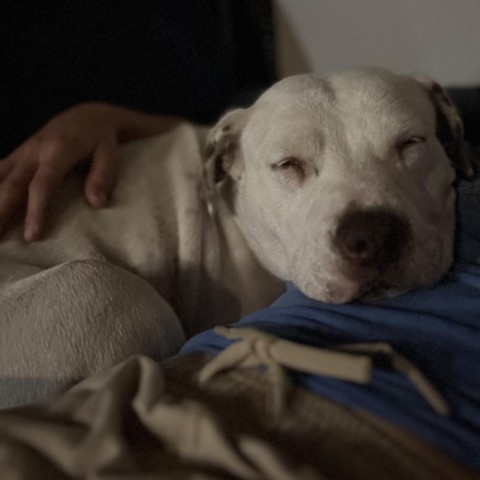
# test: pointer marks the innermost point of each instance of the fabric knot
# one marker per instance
(256, 348)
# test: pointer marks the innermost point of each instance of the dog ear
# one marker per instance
(449, 128)
(223, 153)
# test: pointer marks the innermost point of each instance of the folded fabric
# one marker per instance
(437, 329)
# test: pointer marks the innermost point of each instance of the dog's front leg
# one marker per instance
(62, 324)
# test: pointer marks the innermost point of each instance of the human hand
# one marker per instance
(89, 131)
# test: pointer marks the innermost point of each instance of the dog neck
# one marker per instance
(220, 275)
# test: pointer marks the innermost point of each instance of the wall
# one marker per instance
(439, 38)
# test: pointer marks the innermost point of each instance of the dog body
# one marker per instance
(106, 284)
(159, 228)
(340, 184)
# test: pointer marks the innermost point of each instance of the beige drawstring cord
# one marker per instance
(347, 362)
(257, 348)
(402, 364)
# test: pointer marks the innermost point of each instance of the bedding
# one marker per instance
(141, 420)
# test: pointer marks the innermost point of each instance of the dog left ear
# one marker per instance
(222, 153)
(449, 127)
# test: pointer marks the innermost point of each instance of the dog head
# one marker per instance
(343, 183)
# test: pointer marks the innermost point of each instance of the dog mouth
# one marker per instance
(367, 292)
(371, 286)
(373, 282)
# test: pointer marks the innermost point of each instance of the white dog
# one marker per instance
(341, 184)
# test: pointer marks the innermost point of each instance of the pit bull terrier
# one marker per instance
(340, 183)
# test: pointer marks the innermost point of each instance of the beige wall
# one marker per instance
(439, 38)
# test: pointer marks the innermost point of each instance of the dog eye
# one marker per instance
(411, 149)
(411, 141)
(414, 140)
(291, 165)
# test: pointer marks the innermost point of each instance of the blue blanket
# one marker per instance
(438, 329)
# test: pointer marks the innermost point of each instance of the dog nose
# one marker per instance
(372, 237)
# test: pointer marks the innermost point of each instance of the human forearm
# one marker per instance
(133, 124)
(89, 131)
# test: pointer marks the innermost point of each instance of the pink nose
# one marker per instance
(372, 237)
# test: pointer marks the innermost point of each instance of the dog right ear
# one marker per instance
(223, 154)
(450, 129)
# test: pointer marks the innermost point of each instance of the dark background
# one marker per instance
(187, 57)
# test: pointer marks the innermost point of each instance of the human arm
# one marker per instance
(87, 132)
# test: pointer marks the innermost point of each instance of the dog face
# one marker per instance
(342, 183)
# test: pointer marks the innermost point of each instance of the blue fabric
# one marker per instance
(438, 329)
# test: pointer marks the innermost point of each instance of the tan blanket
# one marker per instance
(141, 420)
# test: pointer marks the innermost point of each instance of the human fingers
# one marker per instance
(43, 184)
(102, 176)
(13, 190)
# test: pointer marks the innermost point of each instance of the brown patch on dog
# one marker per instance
(450, 131)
